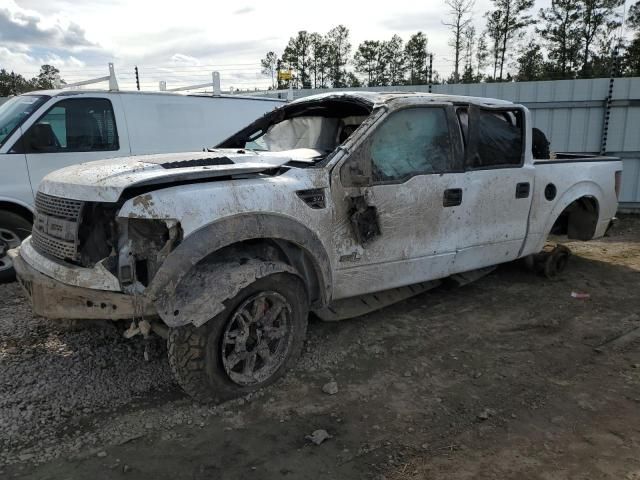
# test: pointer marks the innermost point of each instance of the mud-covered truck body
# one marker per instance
(337, 204)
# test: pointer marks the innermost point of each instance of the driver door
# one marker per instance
(396, 201)
(71, 131)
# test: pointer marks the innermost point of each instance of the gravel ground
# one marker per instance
(63, 385)
(493, 380)
(54, 376)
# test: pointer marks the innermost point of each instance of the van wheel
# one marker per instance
(13, 229)
(251, 344)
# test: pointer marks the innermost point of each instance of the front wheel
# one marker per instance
(13, 229)
(252, 343)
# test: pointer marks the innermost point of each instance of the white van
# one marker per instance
(43, 131)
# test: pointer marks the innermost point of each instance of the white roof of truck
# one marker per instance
(379, 98)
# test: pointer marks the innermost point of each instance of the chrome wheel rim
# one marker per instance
(8, 240)
(257, 338)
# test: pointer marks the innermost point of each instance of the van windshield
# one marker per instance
(15, 111)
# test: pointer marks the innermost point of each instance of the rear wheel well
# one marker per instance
(280, 250)
(578, 220)
(18, 210)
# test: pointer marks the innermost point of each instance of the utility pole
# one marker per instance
(430, 71)
(137, 78)
(278, 67)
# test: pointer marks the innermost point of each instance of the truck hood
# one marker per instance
(105, 180)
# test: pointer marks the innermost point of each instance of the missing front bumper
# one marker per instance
(56, 300)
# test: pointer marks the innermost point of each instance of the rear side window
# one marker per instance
(74, 125)
(411, 142)
(496, 138)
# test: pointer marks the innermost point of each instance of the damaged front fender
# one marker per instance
(201, 296)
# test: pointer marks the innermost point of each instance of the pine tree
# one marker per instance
(560, 28)
(367, 60)
(460, 18)
(632, 53)
(339, 49)
(417, 59)
(297, 55)
(395, 60)
(596, 16)
(513, 18)
(269, 66)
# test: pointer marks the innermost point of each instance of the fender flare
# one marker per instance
(201, 296)
(225, 232)
(579, 190)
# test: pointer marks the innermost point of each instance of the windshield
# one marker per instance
(15, 111)
(318, 125)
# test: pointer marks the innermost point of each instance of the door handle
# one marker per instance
(452, 197)
(522, 190)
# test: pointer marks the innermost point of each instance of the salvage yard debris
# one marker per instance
(330, 388)
(318, 436)
(580, 295)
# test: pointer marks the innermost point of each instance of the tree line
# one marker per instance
(569, 39)
(12, 83)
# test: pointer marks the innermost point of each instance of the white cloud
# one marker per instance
(26, 27)
(184, 42)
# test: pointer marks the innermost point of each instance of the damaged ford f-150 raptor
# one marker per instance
(337, 204)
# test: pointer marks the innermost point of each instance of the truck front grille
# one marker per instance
(58, 207)
(52, 246)
(55, 226)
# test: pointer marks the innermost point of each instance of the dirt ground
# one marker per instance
(508, 378)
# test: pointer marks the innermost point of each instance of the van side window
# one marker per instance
(74, 125)
(411, 142)
(499, 140)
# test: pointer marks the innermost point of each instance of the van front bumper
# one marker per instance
(53, 299)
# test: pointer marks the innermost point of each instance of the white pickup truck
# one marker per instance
(337, 204)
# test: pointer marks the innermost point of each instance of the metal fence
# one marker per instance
(578, 116)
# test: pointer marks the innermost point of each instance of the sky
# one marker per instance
(184, 41)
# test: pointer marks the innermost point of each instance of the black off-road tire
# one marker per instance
(195, 353)
(14, 226)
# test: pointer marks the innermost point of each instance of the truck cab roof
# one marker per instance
(380, 98)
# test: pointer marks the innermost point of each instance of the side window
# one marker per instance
(498, 139)
(410, 142)
(463, 120)
(74, 125)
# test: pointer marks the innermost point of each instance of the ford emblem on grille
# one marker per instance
(56, 227)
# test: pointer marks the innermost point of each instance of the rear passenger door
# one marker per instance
(413, 160)
(72, 130)
(497, 187)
